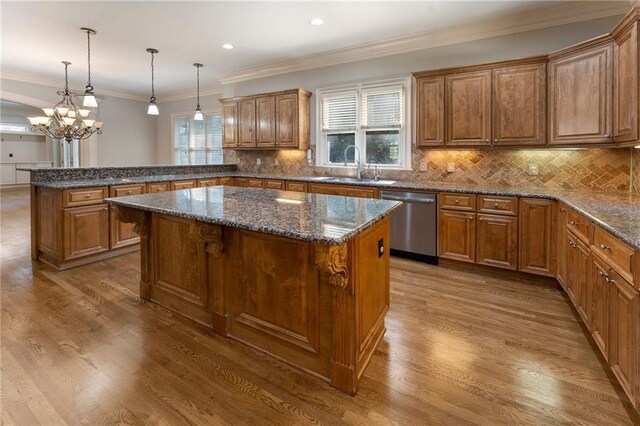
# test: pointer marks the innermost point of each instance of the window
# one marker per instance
(197, 142)
(369, 116)
(14, 128)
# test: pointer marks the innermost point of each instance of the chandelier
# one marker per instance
(65, 120)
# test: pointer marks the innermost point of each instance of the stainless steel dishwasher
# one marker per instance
(414, 226)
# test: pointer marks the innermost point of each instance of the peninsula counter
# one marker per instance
(303, 277)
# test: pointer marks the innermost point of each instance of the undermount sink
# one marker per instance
(321, 178)
(356, 180)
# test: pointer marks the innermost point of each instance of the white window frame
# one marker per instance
(173, 129)
(404, 134)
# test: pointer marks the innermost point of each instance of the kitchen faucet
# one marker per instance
(359, 166)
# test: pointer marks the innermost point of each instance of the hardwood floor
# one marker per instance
(79, 346)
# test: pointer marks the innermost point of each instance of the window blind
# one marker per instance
(339, 112)
(381, 107)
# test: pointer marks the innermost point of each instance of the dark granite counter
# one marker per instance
(325, 219)
(617, 212)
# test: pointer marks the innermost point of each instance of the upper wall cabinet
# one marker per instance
(626, 75)
(278, 120)
(502, 104)
(580, 94)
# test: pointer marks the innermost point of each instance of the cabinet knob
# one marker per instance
(604, 247)
(481, 219)
(440, 141)
(495, 140)
(87, 196)
(487, 140)
(606, 136)
(496, 205)
(573, 222)
(563, 210)
(128, 192)
(456, 201)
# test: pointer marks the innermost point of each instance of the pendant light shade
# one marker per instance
(198, 115)
(152, 109)
(89, 97)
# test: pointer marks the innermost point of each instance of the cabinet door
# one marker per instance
(572, 268)
(580, 264)
(287, 121)
(519, 105)
(468, 108)
(457, 235)
(624, 322)
(265, 122)
(600, 304)
(121, 234)
(229, 125)
(498, 241)
(246, 123)
(430, 111)
(563, 246)
(537, 243)
(625, 89)
(580, 97)
(86, 230)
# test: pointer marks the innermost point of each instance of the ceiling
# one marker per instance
(36, 36)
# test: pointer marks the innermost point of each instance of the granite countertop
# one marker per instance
(325, 219)
(617, 212)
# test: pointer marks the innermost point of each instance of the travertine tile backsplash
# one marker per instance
(635, 170)
(594, 169)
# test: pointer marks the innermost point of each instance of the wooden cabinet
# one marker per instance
(497, 241)
(598, 277)
(626, 101)
(84, 196)
(430, 111)
(519, 105)
(562, 245)
(274, 184)
(278, 120)
(537, 229)
(468, 108)
(85, 230)
(296, 186)
(183, 184)
(577, 278)
(122, 234)
(207, 182)
(580, 95)
(255, 183)
(347, 191)
(457, 235)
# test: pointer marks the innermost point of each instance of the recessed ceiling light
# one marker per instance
(317, 22)
(227, 46)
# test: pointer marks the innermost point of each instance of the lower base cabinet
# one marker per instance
(537, 228)
(497, 243)
(600, 304)
(577, 283)
(457, 235)
(86, 230)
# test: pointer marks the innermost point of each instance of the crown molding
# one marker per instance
(56, 84)
(182, 95)
(504, 24)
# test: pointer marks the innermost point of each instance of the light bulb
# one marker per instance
(48, 111)
(43, 120)
(62, 110)
(152, 109)
(89, 101)
(88, 122)
(68, 121)
(84, 113)
(97, 124)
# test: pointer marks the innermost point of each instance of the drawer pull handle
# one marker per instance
(563, 210)
(87, 196)
(496, 205)
(573, 222)
(604, 247)
(129, 192)
(481, 219)
(456, 201)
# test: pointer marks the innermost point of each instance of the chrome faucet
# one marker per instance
(359, 166)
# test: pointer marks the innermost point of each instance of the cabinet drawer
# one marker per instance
(617, 253)
(296, 186)
(274, 184)
(124, 190)
(463, 202)
(498, 205)
(84, 196)
(207, 182)
(255, 183)
(241, 182)
(225, 181)
(183, 184)
(578, 225)
(158, 187)
(347, 191)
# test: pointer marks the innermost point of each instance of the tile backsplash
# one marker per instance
(593, 169)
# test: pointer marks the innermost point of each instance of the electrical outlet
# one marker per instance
(451, 167)
(423, 166)
(533, 170)
(258, 161)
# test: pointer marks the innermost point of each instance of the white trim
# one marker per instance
(179, 96)
(504, 24)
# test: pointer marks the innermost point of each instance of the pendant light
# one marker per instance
(198, 115)
(89, 98)
(152, 109)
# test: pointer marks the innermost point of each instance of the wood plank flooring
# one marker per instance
(79, 347)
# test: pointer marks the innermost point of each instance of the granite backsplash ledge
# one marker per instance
(83, 173)
(596, 169)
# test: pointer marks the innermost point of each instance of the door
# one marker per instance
(265, 122)
(430, 112)
(624, 321)
(519, 105)
(457, 235)
(229, 124)
(537, 231)
(86, 230)
(598, 277)
(287, 121)
(625, 89)
(580, 97)
(246, 123)
(468, 109)
(498, 241)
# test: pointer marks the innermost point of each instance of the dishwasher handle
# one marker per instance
(389, 196)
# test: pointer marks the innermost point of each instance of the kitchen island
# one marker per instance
(302, 277)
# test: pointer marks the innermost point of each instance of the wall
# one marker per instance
(208, 104)
(635, 170)
(129, 134)
(21, 147)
